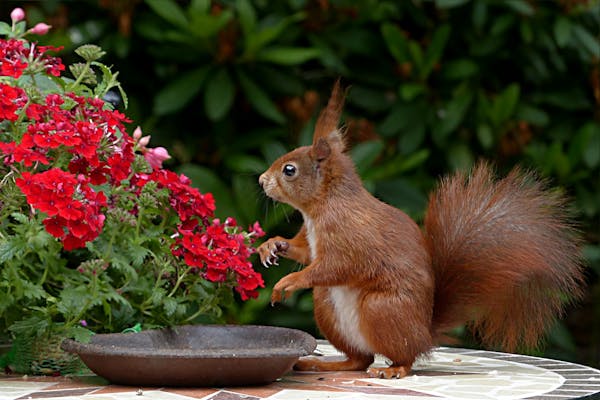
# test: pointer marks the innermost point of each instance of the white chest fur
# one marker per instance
(345, 306)
(311, 236)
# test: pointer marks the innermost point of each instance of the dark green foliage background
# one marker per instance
(228, 86)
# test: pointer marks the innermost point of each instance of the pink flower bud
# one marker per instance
(156, 156)
(143, 142)
(17, 15)
(40, 29)
(137, 133)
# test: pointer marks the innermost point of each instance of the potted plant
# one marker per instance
(95, 235)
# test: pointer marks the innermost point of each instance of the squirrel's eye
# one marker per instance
(289, 170)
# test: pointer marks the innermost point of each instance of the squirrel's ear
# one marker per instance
(321, 150)
(326, 126)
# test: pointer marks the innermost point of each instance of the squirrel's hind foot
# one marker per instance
(394, 371)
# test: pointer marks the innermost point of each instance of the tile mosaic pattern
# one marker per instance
(447, 373)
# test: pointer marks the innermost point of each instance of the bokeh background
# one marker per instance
(229, 86)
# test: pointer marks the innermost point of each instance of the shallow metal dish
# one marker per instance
(194, 355)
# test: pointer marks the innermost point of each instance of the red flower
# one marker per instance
(54, 226)
(13, 68)
(11, 99)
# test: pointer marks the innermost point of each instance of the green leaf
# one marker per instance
(288, 55)
(460, 69)
(520, 6)
(80, 334)
(123, 96)
(588, 41)
(38, 324)
(435, 49)
(369, 98)
(21, 218)
(526, 31)
(450, 3)
(272, 150)
(8, 251)
(451, 117)
(199, 6)
(259, 100)
(33, 291)
(180, 91)
(245, 190)
(562, 31)
(245, 163)
(460, 157)
(157, 295)
(402, 116)
(258, 39)
(397, 165)
(5, 28)
(403, 194)
(412, 138)
(247, 15)
(416, 53)
(408, 91)
(533, 115)
(591, 154)
(207, 26)
(364, 154)
(396, 42)
(502, 24)
(505, 103)
(169, 305)
(169, 11)
(219, 95)
(485, 136)
(480, 13)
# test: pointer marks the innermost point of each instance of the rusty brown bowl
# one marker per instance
(194, 355)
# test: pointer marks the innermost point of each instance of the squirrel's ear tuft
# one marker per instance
(330, 116)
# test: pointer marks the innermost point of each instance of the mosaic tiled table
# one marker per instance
(448, 373)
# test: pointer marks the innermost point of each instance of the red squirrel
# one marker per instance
(500, 256)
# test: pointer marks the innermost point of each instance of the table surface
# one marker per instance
(447, 373)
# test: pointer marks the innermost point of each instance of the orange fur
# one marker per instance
(498, 255)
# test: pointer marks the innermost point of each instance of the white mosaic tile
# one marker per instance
(290, 394)
(133, 395)
(468, 376)
(13, 389)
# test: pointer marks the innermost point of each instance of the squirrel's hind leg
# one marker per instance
(355, 363)
(333, 330)
(393, 329)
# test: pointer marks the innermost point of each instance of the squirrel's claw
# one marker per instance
(270, 251)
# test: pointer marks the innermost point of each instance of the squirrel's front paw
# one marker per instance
(286, 286)
(270, 251)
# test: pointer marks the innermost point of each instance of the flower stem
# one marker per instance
(179, 280)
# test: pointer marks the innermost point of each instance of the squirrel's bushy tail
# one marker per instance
(505, 254)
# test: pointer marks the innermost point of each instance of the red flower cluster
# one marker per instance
(16, 55)
(89, 131)
(73, 207)
(191, 206)
(71, 154)
(219, 251)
